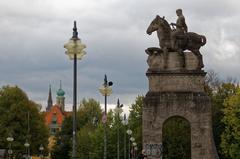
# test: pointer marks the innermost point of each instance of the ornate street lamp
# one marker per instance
(124, 124)
(27, 145)
(132, 139)
(41, 148)
(134, 144)
(129, 132)
(135, 150)
(10, 139)
(105, 90)
(75, 52)
(118, 110)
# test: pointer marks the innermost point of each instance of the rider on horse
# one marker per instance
(181, 29)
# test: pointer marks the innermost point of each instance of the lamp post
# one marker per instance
(125, 123)
(75, 51)
(26, 144)
(105, 90)
(119, 107)
(41, 148)
(132, 139)
(10, 139)
(129, 132)
(134, 149)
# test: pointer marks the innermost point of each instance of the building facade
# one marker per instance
(56, 113)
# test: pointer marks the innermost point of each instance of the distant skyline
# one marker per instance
(33, 33)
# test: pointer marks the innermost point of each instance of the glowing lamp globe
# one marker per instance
(26, 144)
(75, 47)
(105, 90)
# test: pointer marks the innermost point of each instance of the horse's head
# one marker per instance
(154, 25)
(157, 23)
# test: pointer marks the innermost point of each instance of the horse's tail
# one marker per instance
(203, 40)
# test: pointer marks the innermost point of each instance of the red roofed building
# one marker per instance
(55, 114)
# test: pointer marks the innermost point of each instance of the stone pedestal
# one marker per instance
(175, 90)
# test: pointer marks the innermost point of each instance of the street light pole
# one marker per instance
(27, 149)
(132, 139)
(124, 124)
(105, 90)
(75, 51)
(41, 148)
(105, 129)
(134, 149)
(136, 152)
(129, 132)
(74, 153)
(27, 144)
(28, 135)
(10, 151)
(119, 106)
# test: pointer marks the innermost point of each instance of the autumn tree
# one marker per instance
(230, 143)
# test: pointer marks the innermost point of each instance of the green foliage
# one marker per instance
(62, 147)
(88, 118)
(14, 105)
(224, 91)
(85, 144)
(219, 91)
(231, 136)
(89, 113)
(90, 135)
(176, 138)
(135, 120)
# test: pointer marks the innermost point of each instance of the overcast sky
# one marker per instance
(33, 32)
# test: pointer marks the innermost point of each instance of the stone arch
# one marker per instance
(176, 138)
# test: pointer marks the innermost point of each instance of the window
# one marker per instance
(54, 119)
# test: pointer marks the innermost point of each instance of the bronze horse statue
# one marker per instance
(187, 41)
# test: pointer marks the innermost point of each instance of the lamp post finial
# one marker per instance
(75, 33)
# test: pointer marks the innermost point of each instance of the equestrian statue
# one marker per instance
(177, 38)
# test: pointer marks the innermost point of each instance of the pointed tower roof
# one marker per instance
(50, 101)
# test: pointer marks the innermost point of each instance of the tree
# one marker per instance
(212, 82)
(135, 120)
(230, 143)
(89, 114)
(223, 92)
(62, 147)
(219, 90)
(88, 119)
(14, 107)
(176, 138)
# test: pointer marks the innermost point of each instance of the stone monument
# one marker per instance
(176, 88)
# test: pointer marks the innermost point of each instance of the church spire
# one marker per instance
(49, 102)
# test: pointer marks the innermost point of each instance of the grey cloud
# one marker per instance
(32, 53)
